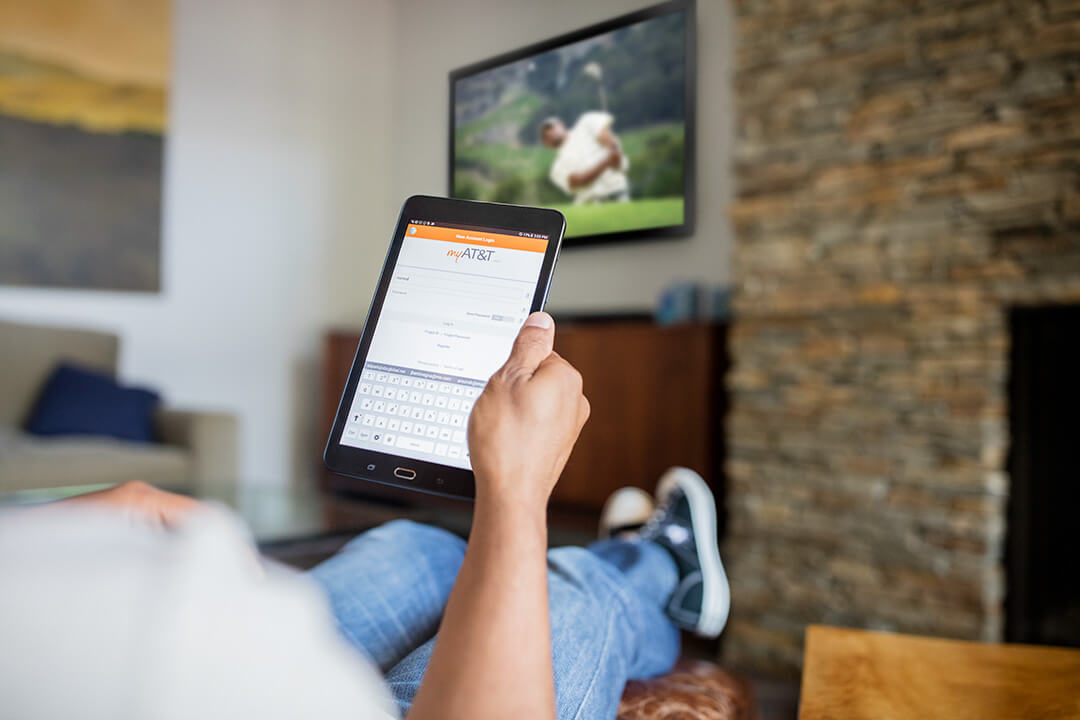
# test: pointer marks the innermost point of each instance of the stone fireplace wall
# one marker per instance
(907, 171)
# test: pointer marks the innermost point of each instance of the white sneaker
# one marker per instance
(625, 510)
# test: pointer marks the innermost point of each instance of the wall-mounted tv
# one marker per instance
(598, 123)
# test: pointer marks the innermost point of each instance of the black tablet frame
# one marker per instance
(379, 467)
(690, 121)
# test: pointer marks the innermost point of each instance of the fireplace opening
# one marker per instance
(1043, 550)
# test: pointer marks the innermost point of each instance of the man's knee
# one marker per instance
(403, 529)
(576, 570)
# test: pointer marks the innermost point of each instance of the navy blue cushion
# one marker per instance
(76, 401)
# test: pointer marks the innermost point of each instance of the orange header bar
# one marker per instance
(477, 237)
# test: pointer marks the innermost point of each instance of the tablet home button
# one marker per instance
(405, 473)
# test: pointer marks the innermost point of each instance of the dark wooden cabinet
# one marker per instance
(655, 401)
(656, 397)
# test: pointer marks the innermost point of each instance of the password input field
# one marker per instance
(468, 323)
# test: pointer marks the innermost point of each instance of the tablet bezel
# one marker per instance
(378, 467)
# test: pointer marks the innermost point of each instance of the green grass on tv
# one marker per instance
(618, 217)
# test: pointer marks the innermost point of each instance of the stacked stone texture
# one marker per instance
(907, 171)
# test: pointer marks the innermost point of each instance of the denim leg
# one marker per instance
(648, 570)
(388, 587)
(607, 626)
(404, 678)
(608, 622)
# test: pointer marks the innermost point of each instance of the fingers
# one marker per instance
(584, 410)
(533, 345)
(534, 357)
(559, 373)
(555, 369)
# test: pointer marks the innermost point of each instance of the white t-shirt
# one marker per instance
(580, 152)
(105, 617)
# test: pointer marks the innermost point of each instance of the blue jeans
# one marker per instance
(388, 589)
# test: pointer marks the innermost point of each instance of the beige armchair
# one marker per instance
(196, 450)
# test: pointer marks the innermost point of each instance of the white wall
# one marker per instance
(296, 130)
(436, 37)
(274, 174)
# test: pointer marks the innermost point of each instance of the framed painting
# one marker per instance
(83, 107)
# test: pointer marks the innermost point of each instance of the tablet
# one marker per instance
(459, 280)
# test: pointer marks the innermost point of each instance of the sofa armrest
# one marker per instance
(212, 438)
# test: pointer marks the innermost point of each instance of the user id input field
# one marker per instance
(461, 284)
(486, 308)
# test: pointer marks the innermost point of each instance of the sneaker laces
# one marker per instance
(652, 526)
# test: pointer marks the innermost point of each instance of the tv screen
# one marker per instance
(598, 124)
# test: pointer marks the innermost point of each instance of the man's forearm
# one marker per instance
(581, 179)
(492, 658)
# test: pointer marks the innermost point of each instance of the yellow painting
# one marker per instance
(83, 117)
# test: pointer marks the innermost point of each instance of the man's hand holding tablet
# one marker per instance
(536, 395)
(459, 280)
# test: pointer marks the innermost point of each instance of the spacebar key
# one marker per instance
(408, 443)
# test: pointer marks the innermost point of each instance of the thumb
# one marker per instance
(534, 343)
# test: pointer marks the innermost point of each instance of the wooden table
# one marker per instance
(856, 674)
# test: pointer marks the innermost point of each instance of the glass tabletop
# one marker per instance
(279, 517)
(274, 515)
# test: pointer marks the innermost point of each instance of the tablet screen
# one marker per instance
(456, 299)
